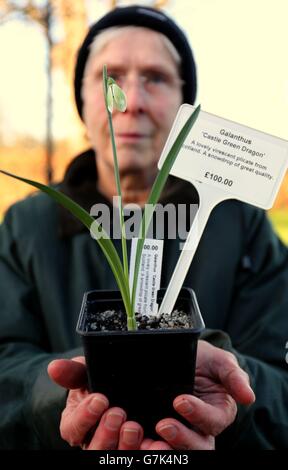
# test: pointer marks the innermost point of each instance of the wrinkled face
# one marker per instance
(147, 72)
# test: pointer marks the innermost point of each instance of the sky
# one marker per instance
(240, 48)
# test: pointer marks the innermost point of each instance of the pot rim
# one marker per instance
(116, 296)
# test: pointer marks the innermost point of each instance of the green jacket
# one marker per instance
(48, 260)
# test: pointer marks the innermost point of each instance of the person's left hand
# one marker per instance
(219, 385)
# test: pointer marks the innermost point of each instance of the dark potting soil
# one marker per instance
(112, 320)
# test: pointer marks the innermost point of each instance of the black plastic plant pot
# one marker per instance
(141, 371)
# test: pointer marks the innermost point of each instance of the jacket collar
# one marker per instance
(80, 184)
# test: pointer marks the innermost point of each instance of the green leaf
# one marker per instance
(84, 216)
(156, 191)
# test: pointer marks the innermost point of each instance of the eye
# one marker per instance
(155, 78)
(117, 76)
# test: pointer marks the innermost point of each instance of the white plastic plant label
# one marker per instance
(223, 160)
(149, 276)
(244, 163)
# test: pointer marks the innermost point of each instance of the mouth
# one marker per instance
(131, 136)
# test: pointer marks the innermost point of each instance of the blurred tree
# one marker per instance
(60, 53)
(73, 18)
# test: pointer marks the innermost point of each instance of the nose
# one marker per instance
(136, 96)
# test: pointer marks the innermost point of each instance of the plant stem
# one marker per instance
(131, 322)
(121, 213)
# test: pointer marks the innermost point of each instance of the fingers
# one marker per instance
(77, 421)
(235, 379)
(209, 419)
(106, 436)
(222, 367)
(179, 437)
(131, 436)
(68, 373)
(145, 444)
(149, 444)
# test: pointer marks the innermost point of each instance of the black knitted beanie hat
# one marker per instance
(147, 18)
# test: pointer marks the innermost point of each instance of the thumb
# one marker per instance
(68, 373)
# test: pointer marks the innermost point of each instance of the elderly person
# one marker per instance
(240, 272)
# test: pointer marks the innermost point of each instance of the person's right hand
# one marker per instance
(84, 411)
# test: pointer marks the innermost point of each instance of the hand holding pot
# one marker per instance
(84, 411)
(219, 384)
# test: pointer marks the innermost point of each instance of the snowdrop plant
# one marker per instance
(115, 98)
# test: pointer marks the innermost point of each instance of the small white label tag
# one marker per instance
(242, 162)
(149, 275)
